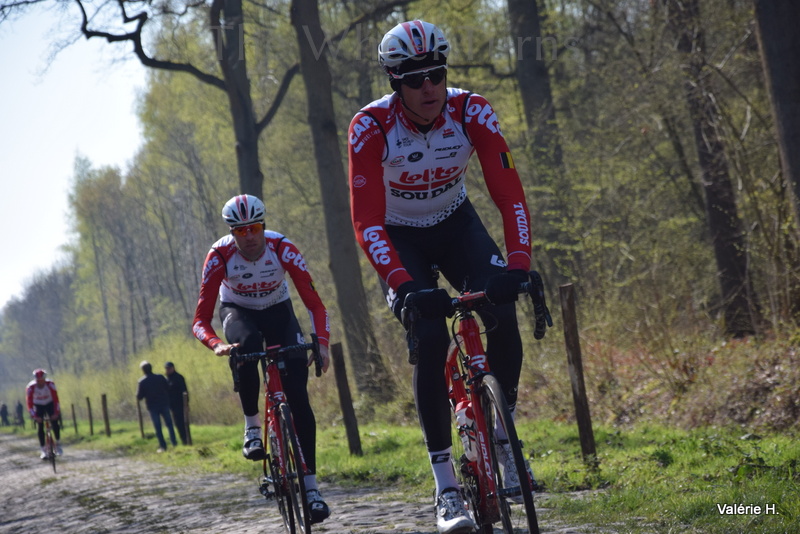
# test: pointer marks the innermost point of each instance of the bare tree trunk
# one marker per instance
(371, 375)
(229, 38)
(534, 82)
(543, 140)
(727, 233)
(98, 267)
(779, 43)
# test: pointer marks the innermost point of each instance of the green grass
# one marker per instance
(650, 478)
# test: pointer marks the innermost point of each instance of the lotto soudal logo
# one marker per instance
(422, 195)
(290, 256)
(485, 116)
(378, 247)
(397, 161)
(522, 224)
(428, 175)
(359, 181)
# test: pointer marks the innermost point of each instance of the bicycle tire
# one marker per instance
(496, 412)
(294, 477)
(51, 448)
(279, 493)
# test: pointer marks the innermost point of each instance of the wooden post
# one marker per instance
(582, 415)
(186, 418)
(91, 420)
(141, 423)
(74, 419)
(105, 415)
(345, 400)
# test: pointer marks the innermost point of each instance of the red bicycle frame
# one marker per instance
(463, 386)
(273, 392)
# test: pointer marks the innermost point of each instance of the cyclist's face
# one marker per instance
(250, 240)
(427, 101)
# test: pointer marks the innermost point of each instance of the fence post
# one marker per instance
(575, 361)
(186, 418)
(139, 411)
(74, 419)
(345, 400)
(91, 419)
(105, 415)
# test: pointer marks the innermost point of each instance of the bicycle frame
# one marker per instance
(49, 441)
(275, 397)
(465, 366)
(471, 382)
(284, 465)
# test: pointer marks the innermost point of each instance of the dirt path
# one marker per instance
(99, 493)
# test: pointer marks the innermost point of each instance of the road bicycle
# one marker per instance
(473, 389)
(284, 467)
(49, 441)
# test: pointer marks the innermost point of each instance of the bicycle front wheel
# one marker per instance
(292, 476)
(502, 433)
(51, 449)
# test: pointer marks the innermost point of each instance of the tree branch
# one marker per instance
(135, 37)
(282, 89)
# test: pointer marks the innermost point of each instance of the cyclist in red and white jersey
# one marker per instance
(408, 155)
(247, 270)
(43, 402)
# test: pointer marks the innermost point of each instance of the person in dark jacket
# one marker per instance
(153, 388)
(177, 387)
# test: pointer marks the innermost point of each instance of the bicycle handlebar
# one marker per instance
(469, 301)
(274, 353)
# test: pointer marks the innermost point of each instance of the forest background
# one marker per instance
(645, 136)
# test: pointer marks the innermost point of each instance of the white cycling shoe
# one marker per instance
(253, 445)
(452, 516)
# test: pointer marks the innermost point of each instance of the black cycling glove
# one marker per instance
(504, 287)
(430, 303)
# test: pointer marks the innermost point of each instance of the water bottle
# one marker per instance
(466, 429)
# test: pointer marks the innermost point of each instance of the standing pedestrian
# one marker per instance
(4, 415)
(19, 411)
(177, 387)
(154, 390)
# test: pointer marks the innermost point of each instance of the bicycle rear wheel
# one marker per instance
(292, 497)
(498, 419)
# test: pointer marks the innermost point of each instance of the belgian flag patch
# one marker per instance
(506, 160)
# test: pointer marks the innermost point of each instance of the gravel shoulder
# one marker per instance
(94, 492)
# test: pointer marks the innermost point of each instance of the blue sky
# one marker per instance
(82, 104)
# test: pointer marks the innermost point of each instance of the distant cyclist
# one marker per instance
(408, 156)
(43, 402)
(247, 270)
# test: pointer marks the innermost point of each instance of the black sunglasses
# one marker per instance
(414, 80)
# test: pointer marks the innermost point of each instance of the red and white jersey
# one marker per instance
(42, 396)
(401, 176)
(255, 284)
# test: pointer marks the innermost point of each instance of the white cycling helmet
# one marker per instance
(242, 210)
(412, 45)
